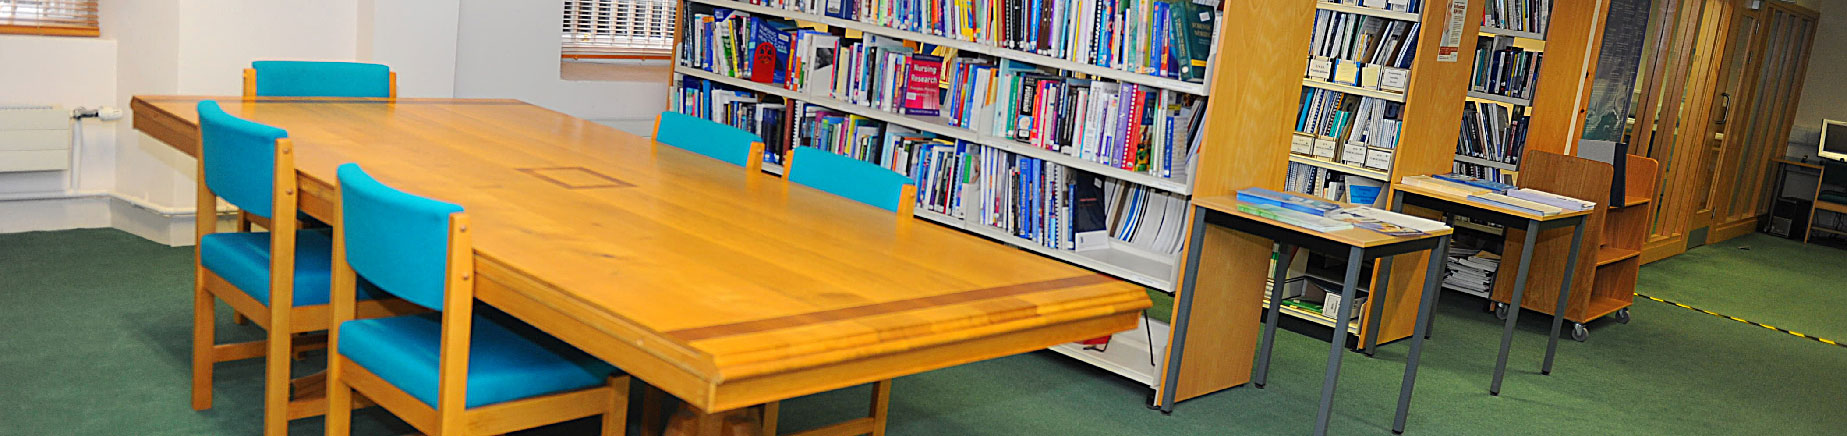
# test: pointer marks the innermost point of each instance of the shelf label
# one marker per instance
(1379, 159)
(1320, 68)
(1300, 144)
(1394, 79)
(1324, 148)
(1451, 43)
(1348, 73)
(1369, 77)
(1353, 154)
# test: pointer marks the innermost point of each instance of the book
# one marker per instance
(920, 90)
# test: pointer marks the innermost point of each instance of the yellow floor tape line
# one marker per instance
(1746, 321)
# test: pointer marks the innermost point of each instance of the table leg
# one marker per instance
(1285, 254)
(1513, 305)
(1432, 287)
(1564, 296)
(1183, 308)
(1430, 325)
(1338, 343)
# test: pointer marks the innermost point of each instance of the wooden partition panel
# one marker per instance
(1258, 67)
(1560, 103)
(1427, 145)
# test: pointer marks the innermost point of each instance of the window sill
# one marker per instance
(611, 70)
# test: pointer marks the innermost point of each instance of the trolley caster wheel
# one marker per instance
(1622, 315)
(1500, 311)
(1579, 333)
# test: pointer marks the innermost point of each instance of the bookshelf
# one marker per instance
(1132, 262)
(1250, 146)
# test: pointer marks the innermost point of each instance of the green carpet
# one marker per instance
(96, 341)
(1759, 277)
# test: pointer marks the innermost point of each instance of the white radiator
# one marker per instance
(34, 138)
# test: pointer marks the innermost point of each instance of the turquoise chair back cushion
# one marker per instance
(397, 241)
(240, 159)
(699, 135)
(322, 79)
(848, 177)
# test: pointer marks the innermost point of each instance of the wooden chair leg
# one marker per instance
(339, 400)
(276, 378)
(651, 399)
(881, 406)
(203, 338)
(615, 420)
(770, 410)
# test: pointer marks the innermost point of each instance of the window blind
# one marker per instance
(48, 17)
(618, 28)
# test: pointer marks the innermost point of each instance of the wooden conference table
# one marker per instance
(723, 288)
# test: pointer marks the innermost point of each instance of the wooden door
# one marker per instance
(1671, 118)
(1772, 64)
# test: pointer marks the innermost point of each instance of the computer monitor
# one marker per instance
(1833, 140)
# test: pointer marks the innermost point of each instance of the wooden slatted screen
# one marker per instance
(48, 17)
(618, 28)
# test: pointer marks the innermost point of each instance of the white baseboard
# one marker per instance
(84, 212)
(175, 229)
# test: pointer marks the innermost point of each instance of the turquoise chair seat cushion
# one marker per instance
(243, 260)
(507, 359)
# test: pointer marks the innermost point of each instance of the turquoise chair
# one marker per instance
(252, 166)
(319, 79)
(709, 138)
(852, 178)
(866, 183)
(456, 370)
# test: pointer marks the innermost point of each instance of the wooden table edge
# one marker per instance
(1227, 204)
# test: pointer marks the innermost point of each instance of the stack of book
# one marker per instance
(1322, 216)
(1493, 132)
(1312, 180)
(1484, 172)
(1505, 70)
(766, 116)
(1124, 125)
(1518, 15)
(1363, 39)
(1349, 121)
(1165, 38)
(1495, 194)
(1061, 208)
(1127, 126)
(1471, 271)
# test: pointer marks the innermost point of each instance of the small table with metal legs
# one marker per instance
(1453, 206)
(1358, 244)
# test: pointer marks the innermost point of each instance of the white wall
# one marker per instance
(1822, 95)
(71, 72)
(509, 49)
(439, 48)
(417, 38)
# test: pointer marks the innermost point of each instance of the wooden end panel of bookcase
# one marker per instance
(1563, 97)
(1427, 145)
(1259, 60)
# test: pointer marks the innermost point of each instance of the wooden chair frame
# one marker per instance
(874, 422)
(451, 417)
(250, 84)
(282, 321)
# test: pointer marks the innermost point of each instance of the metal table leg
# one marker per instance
(1432, 287)
(1564, 295)
(1430, 325)
(1285, 254)
(1183, 308)
(1335, 346)
(1513, 306)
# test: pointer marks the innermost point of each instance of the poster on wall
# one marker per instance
(1618, 64)
(1451, 44)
